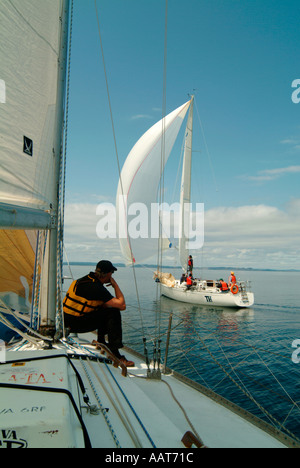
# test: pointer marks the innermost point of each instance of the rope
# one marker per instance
(184, 412)
(117, 405)
(240, 384)
(207, 150)
(77, 345)
(132, 409)
(40, 256)
(103, 410)
(24, 335)
(36, 286)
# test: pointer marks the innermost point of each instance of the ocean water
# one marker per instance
(245, 355)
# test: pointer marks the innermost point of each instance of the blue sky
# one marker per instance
(241, 58)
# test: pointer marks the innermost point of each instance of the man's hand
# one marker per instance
(112, 283)
(119, 300)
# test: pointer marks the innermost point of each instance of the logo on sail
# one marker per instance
(28, 146)
(2, 92)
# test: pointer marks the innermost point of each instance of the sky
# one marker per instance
(239, 58)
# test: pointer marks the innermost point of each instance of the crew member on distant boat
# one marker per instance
(89, 306)
(190, 264)
(223, 286)
(232, 279)
(183, 278)
(189, 281)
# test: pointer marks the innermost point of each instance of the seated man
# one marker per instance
(223, 286)
(89, 306)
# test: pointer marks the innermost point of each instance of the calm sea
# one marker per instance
(244, 355)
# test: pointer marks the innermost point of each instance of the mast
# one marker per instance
(48, 319)
(185, 194)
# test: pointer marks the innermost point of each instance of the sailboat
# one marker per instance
(139, 182)
(60, 391)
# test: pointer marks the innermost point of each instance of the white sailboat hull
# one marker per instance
(208, 297)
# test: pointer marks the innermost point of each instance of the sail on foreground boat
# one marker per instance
(17, 261)
(139, 182)
(54, 391)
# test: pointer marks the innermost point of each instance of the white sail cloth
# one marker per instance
(33, 38)
(30, 43)
(139, 183)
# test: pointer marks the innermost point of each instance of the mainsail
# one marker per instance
(139, 183)
(32, 56)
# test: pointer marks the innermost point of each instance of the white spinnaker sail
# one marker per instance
(185, 193)
(30, 34)
(139, 183)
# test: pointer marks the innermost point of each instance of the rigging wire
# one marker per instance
(62, 189)
(206, 148)
(242, 387)
(16, 328)
(161, 189)
(64, 172)
(231, 369)
(119, 171)
(158, 318)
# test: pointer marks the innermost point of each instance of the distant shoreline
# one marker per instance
(122, 265)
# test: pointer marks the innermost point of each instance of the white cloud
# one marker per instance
(140, 117)
(254, 236)
(272, 174)
(81, 241)
(289, 141)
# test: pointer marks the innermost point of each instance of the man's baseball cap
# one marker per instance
(105, 266)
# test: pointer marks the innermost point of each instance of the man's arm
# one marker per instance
(117, 302)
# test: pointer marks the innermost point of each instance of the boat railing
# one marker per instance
(245, 286)
(203, 285)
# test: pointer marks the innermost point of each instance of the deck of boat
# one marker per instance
(161, 412)
(133, 411)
